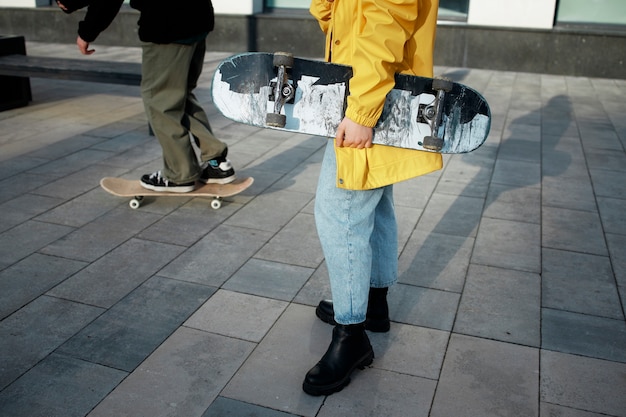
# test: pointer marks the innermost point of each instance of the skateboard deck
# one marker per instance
(132, 188)
(307, 96)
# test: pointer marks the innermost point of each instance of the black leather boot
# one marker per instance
(349, 349)
(377, 316)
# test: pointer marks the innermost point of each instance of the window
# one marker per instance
(453, 9)
(591, 11)
(448, 9)
(292, 4)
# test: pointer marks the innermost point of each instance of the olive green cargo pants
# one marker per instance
(169, 75)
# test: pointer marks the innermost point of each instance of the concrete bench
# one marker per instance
(16, 67)
(71, 69)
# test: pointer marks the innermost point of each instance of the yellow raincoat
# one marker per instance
(399, 37)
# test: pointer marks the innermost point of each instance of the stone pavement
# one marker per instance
(510, 300)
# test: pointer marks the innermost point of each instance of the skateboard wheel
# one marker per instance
(216, 203)
(134, 203)
(432, 143)
(276, 120)
(442, 84)
(283, 58)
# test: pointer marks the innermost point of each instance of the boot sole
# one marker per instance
(317, 390)
(373, 325)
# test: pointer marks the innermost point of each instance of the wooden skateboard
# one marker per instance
(132, 188)
(279, 91)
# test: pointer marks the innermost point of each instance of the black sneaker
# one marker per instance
(157, 182)
(218, 171)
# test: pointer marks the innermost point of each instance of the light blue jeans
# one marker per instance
(359, 237)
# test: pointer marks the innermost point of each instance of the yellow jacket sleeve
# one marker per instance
(384, 28)
(378, 38)
(320, 10)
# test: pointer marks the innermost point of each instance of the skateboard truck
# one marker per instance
(282, 90)
(433, 114)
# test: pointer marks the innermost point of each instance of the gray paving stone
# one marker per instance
(552, 410)
(512, 203)
(26, 337)
(237, 315)
(65, 148)
(522, 136)
(487, 378)
(501, 304)
(508, 244)
(56, 132)
(273, 374)
(600, 134)
(580, 334)
(617, 243)
(614, 160)
(289, 153)
(225, 407)
(558, 124)
(574, 193)
(24, 207)
(297, 244)
(451, 215)
(122, 136)
(271, 210)
(473, 169)
(280, 281)
(516, 173)
(609, 183)
(572, 230)
(522, 149)
(420, 306)
(579, 283)
(410, 350)
(581, 383)
(129, 331)
(12, 166)
(30, 278)
(59, 386)
(414, 193)
(435, 261)
(303, 178)
(22, 240)
(309, 208)
(112, 277)
(565, 161)
(71, 163)
(188, 223)
(217, 256)
(136, 156)
(406, 219)
(73, 185)
(99, 237)
(560, 143)
(182, 377)
(81, 210)
(374, 392)
(612, 214)
(450, 185)
(316, 288)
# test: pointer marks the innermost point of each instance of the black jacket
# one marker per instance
(160, 21)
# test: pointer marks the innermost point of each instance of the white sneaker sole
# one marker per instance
(177, 189)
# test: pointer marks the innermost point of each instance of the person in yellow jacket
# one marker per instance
(354, 209)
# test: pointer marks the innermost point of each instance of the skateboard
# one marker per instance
(132, 188)
(280, 91)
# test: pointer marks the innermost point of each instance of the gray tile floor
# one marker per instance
(512, 265)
